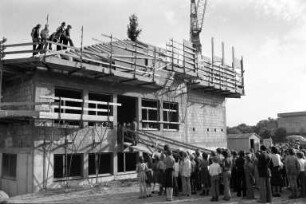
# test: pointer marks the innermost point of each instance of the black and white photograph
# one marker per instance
(153, 101)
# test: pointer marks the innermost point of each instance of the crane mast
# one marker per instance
(197, 12)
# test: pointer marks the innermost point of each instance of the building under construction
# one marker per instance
(62, 112)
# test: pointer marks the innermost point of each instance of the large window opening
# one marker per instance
(150, 114)
(70, 166)
(127, 112)
(127, 161)
(9, 165)
(99, 105)
(70, 101)
(170, 116)
(100, 162)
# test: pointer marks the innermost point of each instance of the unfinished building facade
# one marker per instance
(62, 113)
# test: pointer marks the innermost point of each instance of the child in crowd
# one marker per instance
(141, 169)
(215, 171)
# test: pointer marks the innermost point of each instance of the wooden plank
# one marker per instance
(74, 117)
(19, 52)
(18, 113)
(24, 103)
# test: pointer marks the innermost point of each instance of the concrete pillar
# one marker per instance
(139, 113)
(115, 124)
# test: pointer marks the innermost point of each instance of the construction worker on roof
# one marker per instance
(55, 37)
(65, 38)
(44, 35)
(35, 38)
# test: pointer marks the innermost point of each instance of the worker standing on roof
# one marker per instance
(35, 38)
(55, 37)
(65, 38)
(44, 35)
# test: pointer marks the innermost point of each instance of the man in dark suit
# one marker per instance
(264, 172)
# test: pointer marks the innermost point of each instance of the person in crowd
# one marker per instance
(256, 174)
(175, 176)
(35, 38)
(264, 172)
(234, 172)
(186, 173)
(65, 38)
(220, 161)
(214, 172)
(276, 169)
(301, 177)
(141, 169)
(249, 176)
(193, 175)
(169, 163)
(227, 167)
(155, 171)
(198, 160)
(149, 174)
(161, 173)
(44, 36)
(205, 178)
(240, 175)
(293, 170)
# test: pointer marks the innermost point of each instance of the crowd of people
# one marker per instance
(40, 38)
(223, 172)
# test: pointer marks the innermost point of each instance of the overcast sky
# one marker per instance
(269, 34)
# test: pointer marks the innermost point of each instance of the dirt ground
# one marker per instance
(124, 192)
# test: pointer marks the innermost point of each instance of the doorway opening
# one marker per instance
(127, 112)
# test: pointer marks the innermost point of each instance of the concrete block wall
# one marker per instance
(206, 119)
(19, 91)
(16, 135)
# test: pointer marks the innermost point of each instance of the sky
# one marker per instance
(269, 34)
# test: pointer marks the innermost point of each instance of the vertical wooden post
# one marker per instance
(212, 59)
(135, 60)
(111, 55)
(234, 65)
(242, 75)
(223, 54)
(82, 47)
(154, 63)
(172, 56)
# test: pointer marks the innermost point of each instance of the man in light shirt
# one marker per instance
(214, 172)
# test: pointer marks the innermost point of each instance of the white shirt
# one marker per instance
(214, 169)
(302, 164)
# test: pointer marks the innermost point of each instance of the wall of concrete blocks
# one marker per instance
(20, 90)
(206, 119)
(293, 124)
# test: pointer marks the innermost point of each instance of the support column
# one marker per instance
(115, 125)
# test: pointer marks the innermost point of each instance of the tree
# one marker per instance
(133, 31)
(280, 135)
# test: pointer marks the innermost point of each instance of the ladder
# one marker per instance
(153, 142)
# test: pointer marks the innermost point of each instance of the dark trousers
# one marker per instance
(35, 46)
(214, 186)
(265, 192)
(241, 186)
(193, 182)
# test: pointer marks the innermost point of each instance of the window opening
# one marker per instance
(150, 114)
(9, 165)
(103, 160)
(170, 116)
